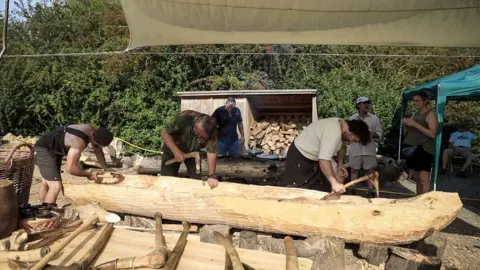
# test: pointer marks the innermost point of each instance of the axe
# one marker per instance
(195, 155)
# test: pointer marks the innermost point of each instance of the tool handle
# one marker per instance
(188, 155)
(351, 183)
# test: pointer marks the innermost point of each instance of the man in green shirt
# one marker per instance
(189, 132)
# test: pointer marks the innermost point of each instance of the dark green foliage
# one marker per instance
(134, 94)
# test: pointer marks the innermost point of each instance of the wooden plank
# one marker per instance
(184, 104)
(275, 209)
(197, 255)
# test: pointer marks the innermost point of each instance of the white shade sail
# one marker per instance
(450, 23)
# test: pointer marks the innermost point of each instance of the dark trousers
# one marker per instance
(301, 172)
(172, 169)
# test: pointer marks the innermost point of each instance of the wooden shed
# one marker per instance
(273, 106)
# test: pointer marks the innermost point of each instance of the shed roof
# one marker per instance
(227, 93)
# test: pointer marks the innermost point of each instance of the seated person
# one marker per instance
(460, 144)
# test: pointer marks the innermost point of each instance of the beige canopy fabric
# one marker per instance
(452, 23)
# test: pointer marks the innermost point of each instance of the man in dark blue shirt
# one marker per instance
(228, 119)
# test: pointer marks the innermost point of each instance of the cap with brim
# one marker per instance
(362, 100)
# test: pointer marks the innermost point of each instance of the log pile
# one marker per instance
(275, 134)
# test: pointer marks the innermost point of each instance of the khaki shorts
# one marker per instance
(464, 152)
(363, 162)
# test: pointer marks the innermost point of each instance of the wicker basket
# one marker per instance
(40, 224)
(17, 165)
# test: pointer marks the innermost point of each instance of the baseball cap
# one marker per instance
(362, 99)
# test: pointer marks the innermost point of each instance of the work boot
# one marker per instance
(462, 174)
(442, 171)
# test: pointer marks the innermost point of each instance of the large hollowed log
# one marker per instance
(275, 209)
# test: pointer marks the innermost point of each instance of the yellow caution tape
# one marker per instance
(138, 147)
(12, 137)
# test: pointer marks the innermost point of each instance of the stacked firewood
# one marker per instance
(275, 134)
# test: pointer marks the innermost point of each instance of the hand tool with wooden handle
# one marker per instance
(155, 259)
(358, 180)
(195, 155)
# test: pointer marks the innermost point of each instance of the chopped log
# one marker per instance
(275, 209)
(410, 259)
(263, 124)
(260, 135)
(290, 125)
(331, 256)
(255, 131)
(373, 254)
(268, 130)
(248, 240)
(206, 232)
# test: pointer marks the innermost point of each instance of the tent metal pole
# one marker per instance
(440, 110)
(401, 129)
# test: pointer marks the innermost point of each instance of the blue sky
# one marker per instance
(12, 5)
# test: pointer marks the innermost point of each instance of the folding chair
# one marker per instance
(450, 162)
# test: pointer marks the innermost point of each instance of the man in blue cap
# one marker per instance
(365, 156)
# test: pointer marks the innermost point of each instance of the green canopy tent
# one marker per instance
(462, 86)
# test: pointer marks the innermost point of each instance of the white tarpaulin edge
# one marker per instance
(449, 23)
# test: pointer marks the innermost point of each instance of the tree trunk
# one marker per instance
(275, 209)
(233, 168)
